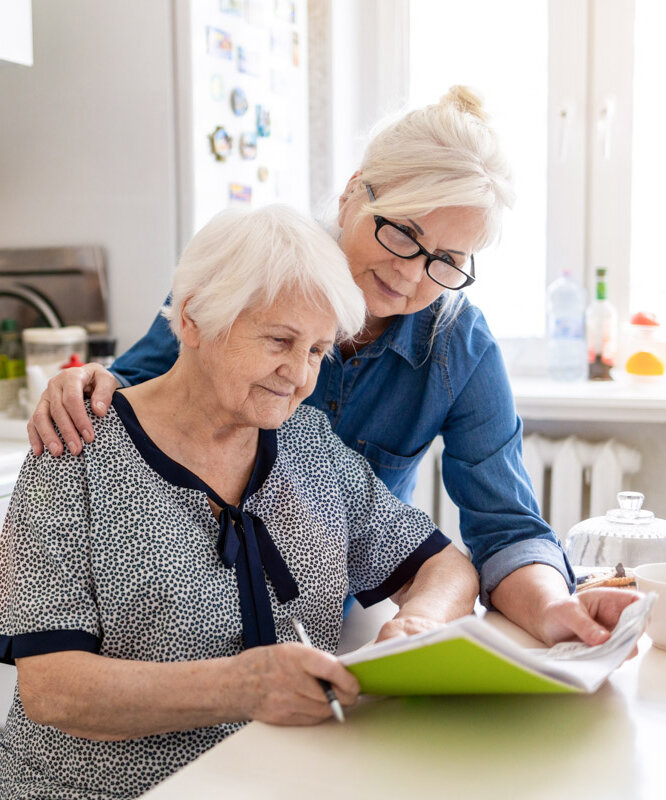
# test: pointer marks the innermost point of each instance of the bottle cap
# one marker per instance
(101, 347)
(74, 361)
(68, 335)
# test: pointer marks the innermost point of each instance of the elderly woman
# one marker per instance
(148, 584)
(428, 194)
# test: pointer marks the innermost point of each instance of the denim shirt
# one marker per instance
(397, 394)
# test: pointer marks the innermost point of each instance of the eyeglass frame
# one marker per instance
(381, 222)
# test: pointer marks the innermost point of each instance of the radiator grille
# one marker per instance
(573, 479)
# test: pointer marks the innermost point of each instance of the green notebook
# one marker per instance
(469, 656)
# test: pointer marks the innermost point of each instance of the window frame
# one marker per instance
(590, 85)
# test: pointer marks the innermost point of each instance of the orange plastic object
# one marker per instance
(644, 363)
(644, 318)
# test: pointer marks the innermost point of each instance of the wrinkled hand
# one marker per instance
(588, 616)
(62, 404)
(278, 684)
(406, 626)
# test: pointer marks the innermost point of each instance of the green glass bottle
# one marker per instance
(601, 327)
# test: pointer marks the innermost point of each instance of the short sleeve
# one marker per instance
(47, 599)
(388, 540)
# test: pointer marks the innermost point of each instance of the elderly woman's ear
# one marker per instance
(189, 331)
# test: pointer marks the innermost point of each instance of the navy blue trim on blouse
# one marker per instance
(39, 643)
(434, 544)
(176, 473)
(244, 541)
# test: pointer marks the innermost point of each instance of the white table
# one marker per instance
(609, 745)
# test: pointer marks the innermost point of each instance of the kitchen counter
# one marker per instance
(12, 454)
(614, 401)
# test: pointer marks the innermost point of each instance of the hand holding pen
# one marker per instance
(333, 701)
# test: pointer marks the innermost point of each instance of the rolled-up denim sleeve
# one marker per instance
(153, 355)
(484, 474)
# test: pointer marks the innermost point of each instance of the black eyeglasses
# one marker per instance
(398, 240)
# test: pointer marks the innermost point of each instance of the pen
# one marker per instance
(333, 701)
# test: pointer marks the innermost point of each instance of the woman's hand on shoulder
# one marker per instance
(278, 684)
(62, 404)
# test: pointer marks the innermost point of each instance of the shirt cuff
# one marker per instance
(122, 380)
(404, 571)
(37, 644)
(521, 554)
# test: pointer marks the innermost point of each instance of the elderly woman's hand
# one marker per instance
(406, 626)
(444, 588)
(109, 699)
(278, 684)
(62, 403)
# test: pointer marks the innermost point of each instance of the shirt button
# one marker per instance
(333, 405)
(356, 362)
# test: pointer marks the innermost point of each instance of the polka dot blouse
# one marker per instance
(117, 552)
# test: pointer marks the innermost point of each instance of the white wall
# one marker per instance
(16, 31)
(87, 146)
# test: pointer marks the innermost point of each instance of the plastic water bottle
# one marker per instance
(567, 347)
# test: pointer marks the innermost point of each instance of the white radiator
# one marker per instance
(572, 478)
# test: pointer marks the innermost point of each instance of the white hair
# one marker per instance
(243, 259)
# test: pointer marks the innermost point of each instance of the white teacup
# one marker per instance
(652, 578)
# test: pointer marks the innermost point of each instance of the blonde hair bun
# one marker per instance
(442, 155)
(462, 98)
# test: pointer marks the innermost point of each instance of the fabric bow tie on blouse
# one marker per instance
(245, 543)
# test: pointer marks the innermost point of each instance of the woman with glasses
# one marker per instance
(429, 193)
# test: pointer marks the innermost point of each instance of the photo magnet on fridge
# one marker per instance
(231, 7)
(248, 145)
(218, 43)
(263, 121)
(220, 143)
(239, 102)
(216, 87)
(249, 61)
(239, 193)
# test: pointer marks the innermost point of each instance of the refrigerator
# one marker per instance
(241, 106)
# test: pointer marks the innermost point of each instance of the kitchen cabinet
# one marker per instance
(16, 31)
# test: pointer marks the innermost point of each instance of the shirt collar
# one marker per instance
(408, 336)
(179, 475)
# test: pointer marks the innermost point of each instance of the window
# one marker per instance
(648, 200)
(458, 43)
(574, 89)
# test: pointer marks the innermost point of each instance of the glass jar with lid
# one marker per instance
(47, 351)
(629, 535)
